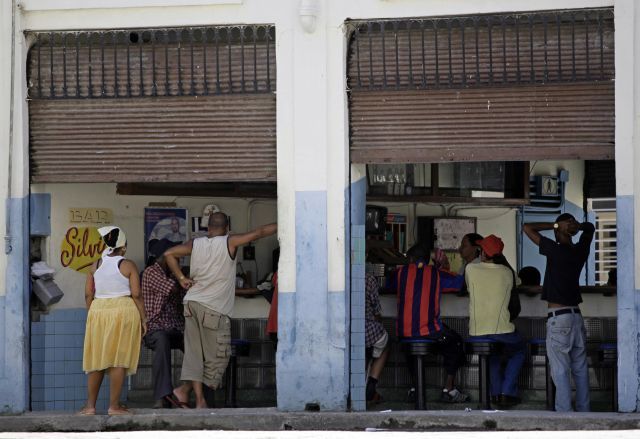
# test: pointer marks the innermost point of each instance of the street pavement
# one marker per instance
(372, 434)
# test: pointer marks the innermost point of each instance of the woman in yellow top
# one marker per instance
(116, 321)
(490, 283)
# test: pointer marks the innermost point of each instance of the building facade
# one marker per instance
(304, 114)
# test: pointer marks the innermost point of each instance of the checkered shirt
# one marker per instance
(162, 300)
(373, 329)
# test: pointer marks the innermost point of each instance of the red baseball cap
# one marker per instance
(491, 245)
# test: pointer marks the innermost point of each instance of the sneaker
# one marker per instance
(411, 395)
(453, 396)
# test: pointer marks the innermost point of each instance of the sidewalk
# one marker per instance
(269, 419)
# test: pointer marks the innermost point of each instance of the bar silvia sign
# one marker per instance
(81, 246)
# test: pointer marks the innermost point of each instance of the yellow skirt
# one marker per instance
(113, 334)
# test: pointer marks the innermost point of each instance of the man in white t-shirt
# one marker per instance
(209, 301)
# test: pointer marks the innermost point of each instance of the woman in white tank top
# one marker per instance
(116, 321)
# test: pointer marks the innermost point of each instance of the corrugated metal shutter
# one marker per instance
(155, 105)
(534, 86)
(207, 138)
(525, 122)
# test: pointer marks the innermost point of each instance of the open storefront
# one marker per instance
(481, 124)
(151, 130)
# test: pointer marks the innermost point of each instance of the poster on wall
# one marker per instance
(164, 225)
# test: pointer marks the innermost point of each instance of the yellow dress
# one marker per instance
(113, 334)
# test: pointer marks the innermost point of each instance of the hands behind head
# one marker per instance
(569, 226)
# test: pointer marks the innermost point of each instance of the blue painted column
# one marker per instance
(357, 305)
(628, 308)
(14, 314)
(312, 338)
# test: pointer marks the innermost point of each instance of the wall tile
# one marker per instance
(37, 355)
(37, 367)
(37, 342)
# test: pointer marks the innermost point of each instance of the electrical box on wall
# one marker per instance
(40, 214)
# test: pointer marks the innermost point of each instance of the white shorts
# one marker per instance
(380, 344)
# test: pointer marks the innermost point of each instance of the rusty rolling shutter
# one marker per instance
(536, 122)
(153, 105)
(207, 138)
(474, 88)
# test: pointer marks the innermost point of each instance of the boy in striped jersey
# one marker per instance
(419, 287)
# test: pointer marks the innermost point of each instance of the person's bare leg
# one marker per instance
(94, 381)
(116, 378)
(450, 382)
(378, 363)
(201, 403)
(182, 391)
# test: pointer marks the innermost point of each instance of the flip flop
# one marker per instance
(86, 411)
(175, 402)
(119, 411)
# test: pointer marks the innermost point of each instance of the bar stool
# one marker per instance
(419, 348)
(483, 348)
(239, 348)
(608, 357)
(538, 347)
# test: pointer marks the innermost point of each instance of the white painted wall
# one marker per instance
(5, 121)
(128, 212)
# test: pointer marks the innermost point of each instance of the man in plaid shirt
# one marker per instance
(165, 324)
(376, 337)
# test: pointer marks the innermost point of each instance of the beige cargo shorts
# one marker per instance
(207, 344)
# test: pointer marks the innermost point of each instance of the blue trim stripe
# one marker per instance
(417, 301)
(433, 292)
(402, 288)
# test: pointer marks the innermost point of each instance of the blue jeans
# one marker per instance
(567, 352)
(513, 348)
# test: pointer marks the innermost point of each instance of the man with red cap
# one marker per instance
(566, 334)
(490, 285)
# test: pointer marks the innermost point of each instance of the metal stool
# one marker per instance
(608, 357)
(239, 348)
(419, 348)
(538, 346)
(483, 348)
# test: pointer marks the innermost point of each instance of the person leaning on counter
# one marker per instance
(209, 301)
(566, 334)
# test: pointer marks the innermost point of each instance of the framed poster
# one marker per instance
(164, 223)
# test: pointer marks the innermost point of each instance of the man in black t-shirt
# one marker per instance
(566, 335)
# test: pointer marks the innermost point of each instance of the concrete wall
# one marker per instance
(313, 172)
(128, 213)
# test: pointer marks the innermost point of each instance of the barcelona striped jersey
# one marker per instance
(419, 287)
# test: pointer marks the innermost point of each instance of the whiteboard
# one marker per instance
(448, 232)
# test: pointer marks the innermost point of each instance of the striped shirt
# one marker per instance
(419, 287)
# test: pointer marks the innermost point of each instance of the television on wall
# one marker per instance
(375, 220)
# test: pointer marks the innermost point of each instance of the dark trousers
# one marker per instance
(450, 346)
(161, 343)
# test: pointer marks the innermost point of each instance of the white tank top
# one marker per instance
(214, 274)
(108, 279)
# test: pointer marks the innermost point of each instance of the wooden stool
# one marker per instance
(608, 357)
(419, 348)
(538, 346)
(239, 348)
(483, 348)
